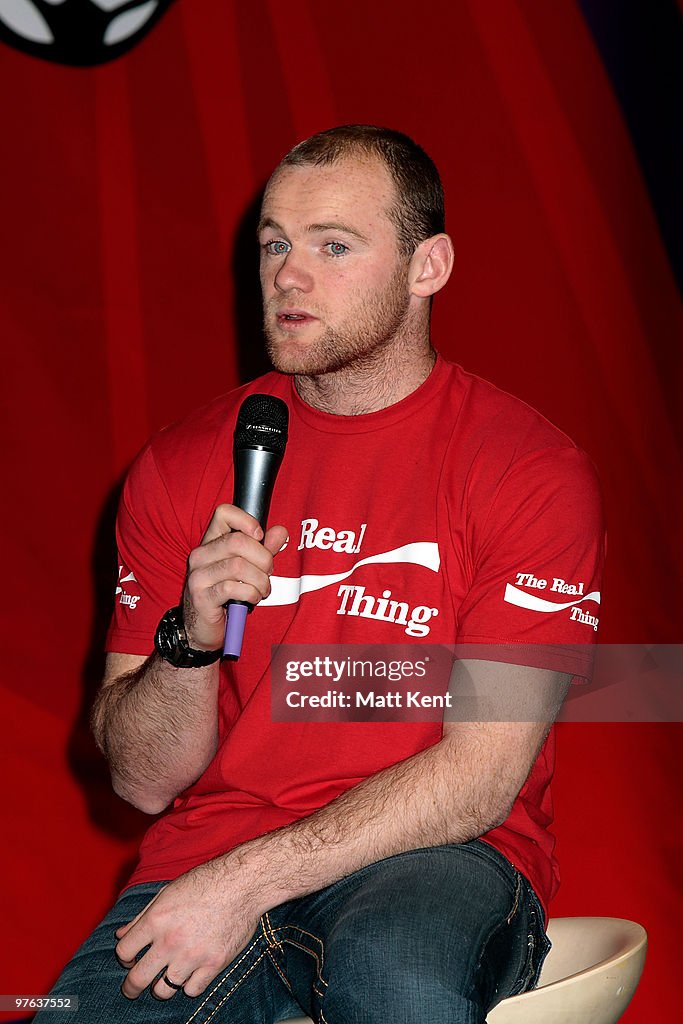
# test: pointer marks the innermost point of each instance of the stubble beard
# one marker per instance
(374, 323)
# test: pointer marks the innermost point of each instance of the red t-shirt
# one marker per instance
(458, 515)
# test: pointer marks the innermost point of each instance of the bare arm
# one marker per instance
(454, 791)
(156, 724)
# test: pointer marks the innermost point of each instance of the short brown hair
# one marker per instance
(418, 211)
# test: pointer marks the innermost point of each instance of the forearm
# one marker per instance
(158, 724)
(440, 795)
(158, 728)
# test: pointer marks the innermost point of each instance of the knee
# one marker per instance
(407, 997)
(373, 978)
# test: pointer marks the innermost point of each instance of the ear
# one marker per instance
(431, 265)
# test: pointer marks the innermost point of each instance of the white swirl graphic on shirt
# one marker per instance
(537, 604)
(288, 589)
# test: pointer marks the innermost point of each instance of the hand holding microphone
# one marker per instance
(259, 445)
(233, 563)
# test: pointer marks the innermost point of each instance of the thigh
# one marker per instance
(249, 991)
(439, 934)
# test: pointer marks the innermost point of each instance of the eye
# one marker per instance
(277, 247)
(336, 248)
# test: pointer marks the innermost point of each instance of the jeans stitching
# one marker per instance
(526, 974)
(299, 945)
(225, 977)
(502, 923)
(319, 964)
(272, 932)
(228, 994)
(319, 958)
(515, 905)
(532, 971)
(283, 977)
(275, 942)
(268, 936)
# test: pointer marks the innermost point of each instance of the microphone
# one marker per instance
(258, 448)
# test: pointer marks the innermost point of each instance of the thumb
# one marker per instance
(275, 539)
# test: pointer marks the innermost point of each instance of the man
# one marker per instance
(338, 866)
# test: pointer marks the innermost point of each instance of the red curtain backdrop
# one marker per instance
(129, 297)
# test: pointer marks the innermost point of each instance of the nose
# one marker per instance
(293, 274)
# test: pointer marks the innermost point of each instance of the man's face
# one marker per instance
(335, 287)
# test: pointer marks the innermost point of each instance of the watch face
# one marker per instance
(172, 645)
(167, 641)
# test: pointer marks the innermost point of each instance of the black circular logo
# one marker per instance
(78, 32)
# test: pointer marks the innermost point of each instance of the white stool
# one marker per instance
(588, 977)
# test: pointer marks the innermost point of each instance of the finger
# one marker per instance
(216, 570)
(228, 518)
(234, 578)
(200, 979)
(227, 546)
(132, 943)
(143, 973)
(125, 928)
(167, 985)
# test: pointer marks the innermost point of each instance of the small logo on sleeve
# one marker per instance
(124, 596)
(525, 598)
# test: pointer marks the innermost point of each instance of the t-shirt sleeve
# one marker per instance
(152, 558)
(537, 566)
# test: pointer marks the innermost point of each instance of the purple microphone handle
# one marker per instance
(234, 629)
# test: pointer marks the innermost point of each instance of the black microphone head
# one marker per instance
(262, 423)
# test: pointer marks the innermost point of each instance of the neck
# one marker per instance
(373, 382)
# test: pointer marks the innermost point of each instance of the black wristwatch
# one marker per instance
(171, 643)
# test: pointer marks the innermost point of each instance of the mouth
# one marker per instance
(294, 319)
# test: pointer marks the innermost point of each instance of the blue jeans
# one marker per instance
(435, 935)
